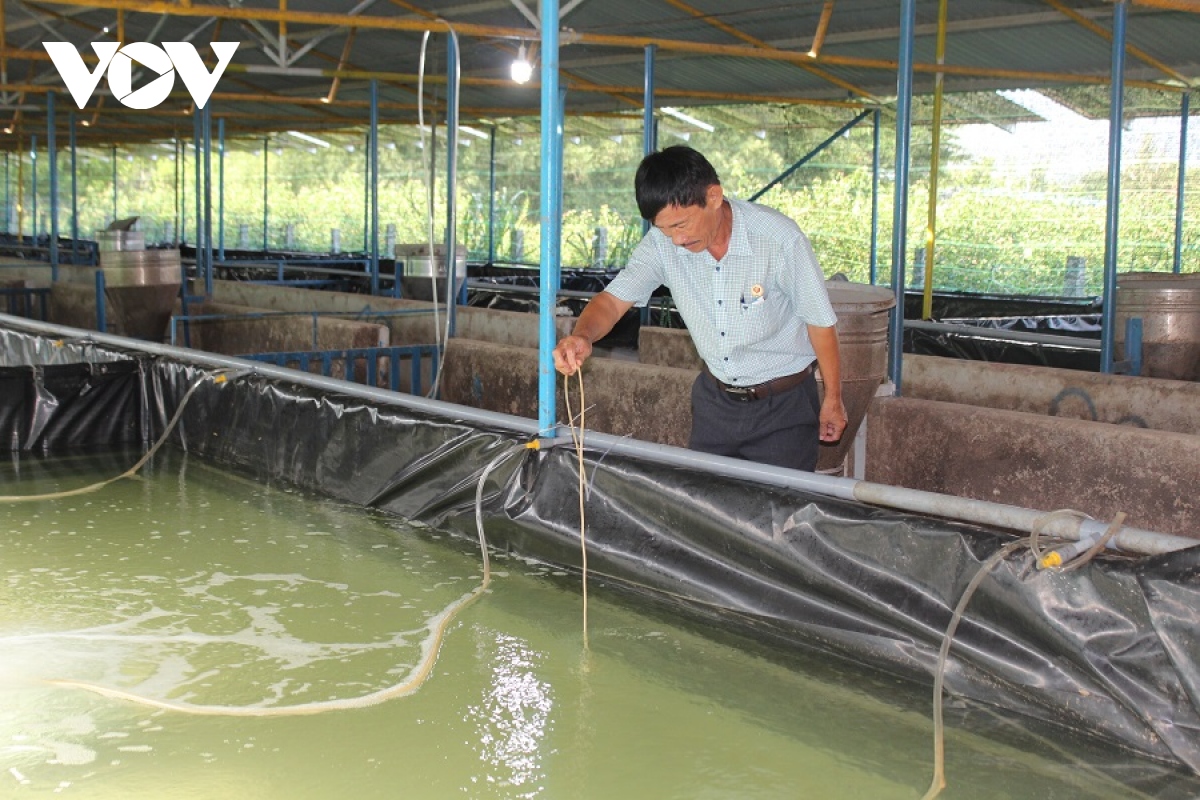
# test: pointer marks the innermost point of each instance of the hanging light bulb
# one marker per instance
(522, 68)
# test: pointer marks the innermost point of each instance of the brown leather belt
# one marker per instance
(779, 385)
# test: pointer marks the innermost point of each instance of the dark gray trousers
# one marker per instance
(781, 429)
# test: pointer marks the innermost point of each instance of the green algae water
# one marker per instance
(196, 587)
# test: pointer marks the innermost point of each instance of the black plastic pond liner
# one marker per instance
(60, 406)
(1109, 652)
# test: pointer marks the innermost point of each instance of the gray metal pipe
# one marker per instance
(1015, 518)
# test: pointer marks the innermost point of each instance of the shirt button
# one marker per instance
(726, 358)
(719, 302)
(722, 333)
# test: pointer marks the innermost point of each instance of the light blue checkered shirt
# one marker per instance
(747, 313)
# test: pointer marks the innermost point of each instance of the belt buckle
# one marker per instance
(743, 394)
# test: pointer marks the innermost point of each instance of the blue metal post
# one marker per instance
(33, 167)
(904, 80)
(874, 261)
(1184, 110)
(114, 183)
(101, 309)
(550, 223)
(373, 179)
(221, 188)
(208, 245)
(1116, 113)
(197, 142)
(649, 124)
(491, 257)
(451, 183)
(7, 195)
(52, 159)
(266, 182)
(74, 190)
(180, 190)
(649, 134)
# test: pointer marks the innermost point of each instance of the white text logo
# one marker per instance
(165, 61)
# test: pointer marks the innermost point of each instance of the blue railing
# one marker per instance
(362, 365)
(30, 303)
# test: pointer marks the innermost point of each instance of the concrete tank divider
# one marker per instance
(862, 327)
(1169, 307)
(244, 333)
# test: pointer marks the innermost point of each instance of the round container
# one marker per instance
(1169, 307)
(416, 268)
(862, 328)
(109, 241)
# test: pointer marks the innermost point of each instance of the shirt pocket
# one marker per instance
(760, 315)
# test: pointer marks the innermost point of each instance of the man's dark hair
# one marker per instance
(675, 176)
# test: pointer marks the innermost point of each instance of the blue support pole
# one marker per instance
(874, 260)
(649, 124)
(451, 260)
(221, 188)
(551, 213)
(266, 183)
(197, 146)
(366, 248)
(52, 159)
(114, 183)
(208, 245)
(373, 179)
(33, 167)
(491, 256)
(1116, 113)
(101, 308)
(649, 134)
(1184, 111)
(74, 190)
(811, 155)
(904, 81)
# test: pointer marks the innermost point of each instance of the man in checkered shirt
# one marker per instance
(747, 284)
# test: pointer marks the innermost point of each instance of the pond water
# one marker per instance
(195, 587)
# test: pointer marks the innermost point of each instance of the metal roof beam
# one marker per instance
(737, 34)
(1107, 36)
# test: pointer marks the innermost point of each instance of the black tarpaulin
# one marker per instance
(59, 406)
(1109, 652)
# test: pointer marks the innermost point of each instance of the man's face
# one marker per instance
(694, 228)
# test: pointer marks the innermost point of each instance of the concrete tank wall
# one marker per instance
(1036, 461)
(1158, 404)
(647, 402)
(515, 328)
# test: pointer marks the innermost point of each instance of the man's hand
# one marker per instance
(570, 354)
(833, 419)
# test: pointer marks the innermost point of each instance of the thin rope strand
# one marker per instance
(577, 438)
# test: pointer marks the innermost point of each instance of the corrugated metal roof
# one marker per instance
(708, 52)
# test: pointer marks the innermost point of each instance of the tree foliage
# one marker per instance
(1010, 233)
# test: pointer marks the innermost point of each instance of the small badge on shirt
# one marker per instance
(756, 290)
